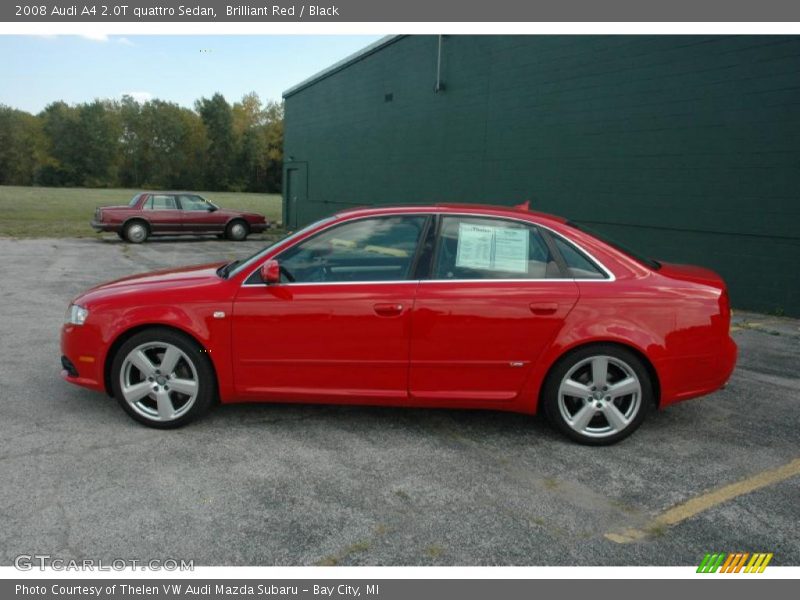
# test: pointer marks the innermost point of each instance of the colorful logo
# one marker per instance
(734, 562)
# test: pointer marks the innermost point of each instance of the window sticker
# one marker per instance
(474, 246)
(492, 248)
(510, 250)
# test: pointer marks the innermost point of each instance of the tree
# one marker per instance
(22, 146)
(217, 116)
(152, 144)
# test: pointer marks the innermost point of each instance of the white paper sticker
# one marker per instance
(474, 246)
(492, 248)
(510, 250)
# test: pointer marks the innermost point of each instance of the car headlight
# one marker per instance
(76, 315)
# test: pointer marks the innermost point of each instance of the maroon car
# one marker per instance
(175, 213)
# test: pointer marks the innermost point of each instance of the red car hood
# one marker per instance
(156, 280)
(692, 273)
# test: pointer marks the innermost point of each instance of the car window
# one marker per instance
(160, 202)
(376, 249)
(579, 265)
(134, 200)
(193, 203)
(483, 248)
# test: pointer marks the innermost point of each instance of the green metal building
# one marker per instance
(686, 147)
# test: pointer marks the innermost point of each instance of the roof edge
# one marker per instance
(343, 64)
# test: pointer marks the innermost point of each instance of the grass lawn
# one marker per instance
(66, 212)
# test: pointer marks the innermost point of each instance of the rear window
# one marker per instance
(134, 200)
(634, 254)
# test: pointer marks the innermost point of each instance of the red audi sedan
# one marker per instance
(458, 306)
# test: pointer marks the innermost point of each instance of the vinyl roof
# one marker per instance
(343, 64)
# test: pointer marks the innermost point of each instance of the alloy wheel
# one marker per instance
(159, 381)
(600, 396)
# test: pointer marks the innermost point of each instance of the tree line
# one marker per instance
(155, 144)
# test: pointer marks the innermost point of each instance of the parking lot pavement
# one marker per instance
(287, 484)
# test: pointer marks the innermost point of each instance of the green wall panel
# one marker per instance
(687, 147)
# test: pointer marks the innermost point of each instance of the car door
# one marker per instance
(494, 300)
(198, 216)
(337, 326)
(163, 213)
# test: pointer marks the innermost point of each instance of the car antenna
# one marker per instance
(524, 206)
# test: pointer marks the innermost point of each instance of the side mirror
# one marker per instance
(212, 208)
(271, 272)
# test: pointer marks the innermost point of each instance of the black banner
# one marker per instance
(405, 11)
(393, 589)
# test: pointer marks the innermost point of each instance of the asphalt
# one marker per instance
(302, 485)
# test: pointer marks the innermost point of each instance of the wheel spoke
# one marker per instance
(184, 386)
(599, 371)
(137, 391)
(583, 416)
(170, 359)
(615, 418)
(166, 411)
(629, 385)
(140, 361)
(570, 387)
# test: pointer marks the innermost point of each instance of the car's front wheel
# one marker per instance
(163, 378)
(237, 231)
(598, 395)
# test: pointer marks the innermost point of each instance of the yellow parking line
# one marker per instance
(701, 503)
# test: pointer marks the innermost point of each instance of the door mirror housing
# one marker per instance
(212, 208)
(271, 272)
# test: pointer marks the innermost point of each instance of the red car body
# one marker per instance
(469, 344)
(174, 213)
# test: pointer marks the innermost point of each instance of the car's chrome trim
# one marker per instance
(610, 277)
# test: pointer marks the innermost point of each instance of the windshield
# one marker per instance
(240, 265)
(645, 260)
(133, 201)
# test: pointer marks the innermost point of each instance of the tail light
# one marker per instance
(98, 215)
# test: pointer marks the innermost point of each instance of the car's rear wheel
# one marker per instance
(163, 378)
(237, 231)
(136, 232)
(598, 395)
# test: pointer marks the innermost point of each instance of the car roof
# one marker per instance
(478, 209)
(169, 192)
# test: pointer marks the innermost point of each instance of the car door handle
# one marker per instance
(388, 309)
(543, 308)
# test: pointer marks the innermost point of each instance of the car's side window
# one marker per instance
(373, 249)
(193, 203)
(160, 202)
(580, 266)
(485, 248)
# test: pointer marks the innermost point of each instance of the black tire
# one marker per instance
(237, 230)
(193, 365)
(622, 365)
(136, 231)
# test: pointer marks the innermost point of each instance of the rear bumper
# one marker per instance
(98, 226)
(691, 377)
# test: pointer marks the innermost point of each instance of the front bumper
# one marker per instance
(81, 360)
(258, 227)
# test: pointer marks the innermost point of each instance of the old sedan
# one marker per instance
(439, 306)
(175, 213)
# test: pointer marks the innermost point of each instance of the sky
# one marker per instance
(38, 70)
